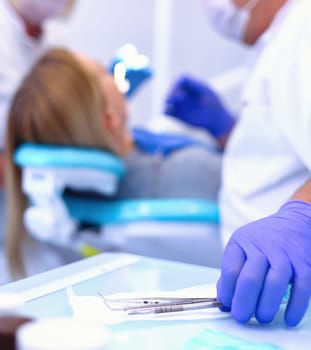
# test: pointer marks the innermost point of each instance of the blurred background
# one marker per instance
(174, 34)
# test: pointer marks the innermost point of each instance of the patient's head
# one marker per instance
(68, 99)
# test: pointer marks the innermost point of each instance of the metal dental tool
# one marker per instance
(157, 305)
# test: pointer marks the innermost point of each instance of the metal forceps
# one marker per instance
(158, 305)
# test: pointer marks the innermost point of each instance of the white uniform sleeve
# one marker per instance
(291, 105)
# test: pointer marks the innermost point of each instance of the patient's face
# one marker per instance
(116, 102)
(115, 99)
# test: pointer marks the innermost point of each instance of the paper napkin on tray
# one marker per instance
(93, 309)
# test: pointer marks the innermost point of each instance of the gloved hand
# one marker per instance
(164, 143)
(195, 103)
(132, 71)
(262, 259)
(135, 77)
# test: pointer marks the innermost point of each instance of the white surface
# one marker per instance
(63, 282)
(61, 334)
(10, 303)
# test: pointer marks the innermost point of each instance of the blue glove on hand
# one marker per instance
(196, 104)
(135, 77)
(262, 259)
(130, 69)
(164, 143)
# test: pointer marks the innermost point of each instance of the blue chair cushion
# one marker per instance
(121, 211)
(38, 155)
(101, 211)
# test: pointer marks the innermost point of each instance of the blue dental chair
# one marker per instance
(70, 192)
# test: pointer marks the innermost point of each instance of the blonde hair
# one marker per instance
(59, 102)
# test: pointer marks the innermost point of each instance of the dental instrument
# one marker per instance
(157, 305)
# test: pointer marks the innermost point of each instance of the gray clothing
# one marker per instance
(191, 172)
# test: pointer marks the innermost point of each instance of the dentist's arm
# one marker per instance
(264, 257)
(195, 103)
(304, 193)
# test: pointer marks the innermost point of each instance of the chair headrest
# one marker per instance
(38, 155)
(50, 169)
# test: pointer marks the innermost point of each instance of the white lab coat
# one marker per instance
(17, 53)
(268, 156)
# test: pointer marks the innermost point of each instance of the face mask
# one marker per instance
(36, 11)
(227, 18)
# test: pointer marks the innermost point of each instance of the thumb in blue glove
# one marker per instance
(262, 259)
(196, 104)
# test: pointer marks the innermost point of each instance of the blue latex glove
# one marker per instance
(195, 103)
(135, 76)
(262, 259)
(164, 143)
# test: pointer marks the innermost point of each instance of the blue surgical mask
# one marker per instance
(227, 18)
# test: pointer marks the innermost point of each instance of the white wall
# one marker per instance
(173, 33)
